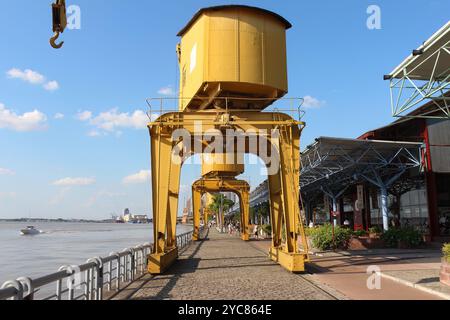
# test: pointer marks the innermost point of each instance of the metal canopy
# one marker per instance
(257, 198)
(332, 164)
(423, 76)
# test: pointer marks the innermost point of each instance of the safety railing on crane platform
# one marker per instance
(97, 279)
(291, 106)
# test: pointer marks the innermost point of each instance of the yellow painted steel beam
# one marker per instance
(222, 184)
(196, 206)
(283, 185)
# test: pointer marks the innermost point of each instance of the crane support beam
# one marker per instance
(222, 184)
(176, 136)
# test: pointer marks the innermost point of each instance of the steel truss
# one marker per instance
(423, 80)
(330, 167)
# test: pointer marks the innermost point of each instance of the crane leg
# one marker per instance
(165, 181)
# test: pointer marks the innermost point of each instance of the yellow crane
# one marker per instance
(233, 65)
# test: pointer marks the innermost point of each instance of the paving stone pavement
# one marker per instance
(425, 280)
(223, 267)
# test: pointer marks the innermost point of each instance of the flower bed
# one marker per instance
(365, 243)
(322, 237)
(445, 266)
(405, 238)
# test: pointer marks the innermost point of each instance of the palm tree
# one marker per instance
(264, 211)
(220, 203)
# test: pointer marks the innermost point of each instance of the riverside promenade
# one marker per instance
(223, 267)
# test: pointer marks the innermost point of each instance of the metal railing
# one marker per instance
(89, 281)
(161, 105)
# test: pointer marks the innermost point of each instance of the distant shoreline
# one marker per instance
(27, 220)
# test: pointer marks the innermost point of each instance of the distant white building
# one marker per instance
(137, 218)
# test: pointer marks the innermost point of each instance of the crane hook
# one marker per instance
(53, 39)
(59, 22)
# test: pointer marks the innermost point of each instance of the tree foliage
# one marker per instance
(219, 200)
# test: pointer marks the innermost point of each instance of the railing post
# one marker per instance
(87, 280)
(58, 289)
(109, 275)
(118, 273)
(16, 285)
(71, 290)
(28, 283)
(117, 258)
(100, 284)
(89, 283)
(132, 263)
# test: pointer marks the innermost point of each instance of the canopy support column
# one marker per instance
(334, 198)
(384, 185)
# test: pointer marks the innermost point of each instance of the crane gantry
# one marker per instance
(233, 65)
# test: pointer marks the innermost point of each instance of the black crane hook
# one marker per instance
(53, 41)
(59, 22)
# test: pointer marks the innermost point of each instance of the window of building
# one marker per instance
(414, 210)
(443, 192)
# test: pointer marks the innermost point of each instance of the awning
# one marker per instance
(336, 163)
(423, 77)
(419, 65)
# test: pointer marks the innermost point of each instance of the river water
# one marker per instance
(64, 244)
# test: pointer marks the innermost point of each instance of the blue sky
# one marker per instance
(54, 164)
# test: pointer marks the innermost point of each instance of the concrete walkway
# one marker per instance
(347, 272)
(224, 267)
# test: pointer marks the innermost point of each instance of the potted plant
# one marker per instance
(445, 266)
(328, 238)
(374, 232)
(409, 238)
(358, 240)
(406, 238)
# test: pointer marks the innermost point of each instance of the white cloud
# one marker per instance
(166, 91)
(27, 75)
(312, 103)
(51, 86)
(6, 172)
(58, 116)
(29, 121)
(84, 115)
(32, 77)
(142, 176)
(113, 120)
(70, 182)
